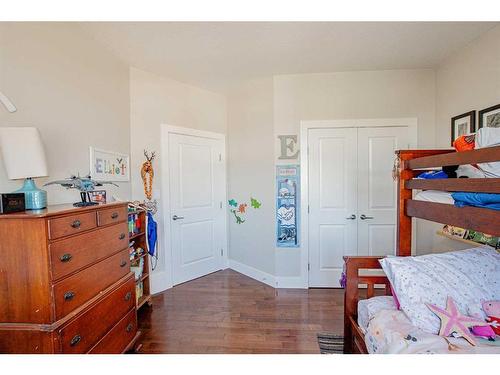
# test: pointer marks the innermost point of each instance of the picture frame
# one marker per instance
(287, 206)
(490, 117)
(98, 196)
(109, 166)
(462, 125)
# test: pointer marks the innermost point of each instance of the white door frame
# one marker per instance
(305, 126)
(165, 191)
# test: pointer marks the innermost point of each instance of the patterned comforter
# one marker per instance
(391, 332)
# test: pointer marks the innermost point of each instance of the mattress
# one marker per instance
(367, 308)
(391, 332)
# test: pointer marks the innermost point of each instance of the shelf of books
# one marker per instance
(139, 259)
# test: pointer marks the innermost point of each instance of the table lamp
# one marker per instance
(24, 157)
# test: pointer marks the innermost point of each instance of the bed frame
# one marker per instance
(410, 163)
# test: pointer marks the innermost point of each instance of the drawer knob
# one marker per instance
(68, 296)
(122, 236)
(76, 224)
(128, 296)
(114, 215)
(65, 257)
(123, 263)
(75, 340)
(129, 327)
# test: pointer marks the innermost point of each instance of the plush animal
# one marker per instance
(452, 321)
(492, 310)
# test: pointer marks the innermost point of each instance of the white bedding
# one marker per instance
(435, 196)
(367, 308)
(391, 332)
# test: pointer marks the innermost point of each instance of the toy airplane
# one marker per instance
(84, 184)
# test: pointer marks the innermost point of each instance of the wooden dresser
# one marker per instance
(65, 281)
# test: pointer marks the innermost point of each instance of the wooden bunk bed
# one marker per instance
(410, 163)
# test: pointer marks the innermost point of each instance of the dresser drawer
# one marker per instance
(112, 215)
(77, 289)
(85, 331)
(119, 337)
(71, 254)
(64, 226)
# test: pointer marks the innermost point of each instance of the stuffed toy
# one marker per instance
(453, 322)
(492, 310)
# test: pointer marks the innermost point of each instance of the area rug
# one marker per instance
(330, 343)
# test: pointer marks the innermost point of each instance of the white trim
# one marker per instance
(158, 279)
(253, 273)
(410, 122)
(167, 279)
(290, 282)
(193, 132)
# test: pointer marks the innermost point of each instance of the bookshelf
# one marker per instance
(137, 235)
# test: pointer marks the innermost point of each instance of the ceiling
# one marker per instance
(219, 55)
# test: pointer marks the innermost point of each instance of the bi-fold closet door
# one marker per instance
(352, 196)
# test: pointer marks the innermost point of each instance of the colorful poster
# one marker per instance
(287, 205)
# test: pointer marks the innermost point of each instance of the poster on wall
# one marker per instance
(109, 165)
(287, 205)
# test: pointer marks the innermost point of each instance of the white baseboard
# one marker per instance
(290, 282)
(159, 282)
(254, 273)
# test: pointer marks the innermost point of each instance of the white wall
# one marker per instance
(467, 80)
(260, 110)
(71, 89)
(352, 95)
(156, 100)
(251, 173)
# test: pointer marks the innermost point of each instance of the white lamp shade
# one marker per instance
(23, 153)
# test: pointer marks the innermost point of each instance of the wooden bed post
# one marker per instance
(404, 232)
(351, 293)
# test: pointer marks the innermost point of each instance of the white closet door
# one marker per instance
(332, 203)
(377, 192)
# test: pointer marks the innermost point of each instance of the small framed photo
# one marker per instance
(98, 196)
(462, 125)
(490, 117)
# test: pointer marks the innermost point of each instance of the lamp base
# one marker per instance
(35, 198)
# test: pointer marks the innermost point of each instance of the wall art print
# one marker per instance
(287, 205)
(109, 165)
(239, 210)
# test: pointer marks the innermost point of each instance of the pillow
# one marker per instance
(467, 276)
(488, 137)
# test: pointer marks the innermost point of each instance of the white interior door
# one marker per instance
(352, 197)
(332, 203)
(197, 190)
(377, 192)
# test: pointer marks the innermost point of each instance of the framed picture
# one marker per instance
(109, 165)
(490, 117)
(287, 205)
(98, 196)
(462, 125)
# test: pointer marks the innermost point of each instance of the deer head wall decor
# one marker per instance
(147, 174)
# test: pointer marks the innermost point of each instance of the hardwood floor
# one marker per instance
(227, 312)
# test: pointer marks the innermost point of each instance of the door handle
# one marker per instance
(352, 217)
(175, 217)
(364, 217)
